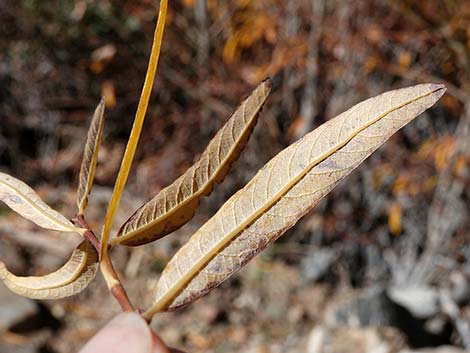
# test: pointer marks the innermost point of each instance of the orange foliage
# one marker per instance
(395, 213)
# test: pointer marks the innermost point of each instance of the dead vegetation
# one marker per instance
(400, 224)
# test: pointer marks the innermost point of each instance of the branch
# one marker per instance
(114, 284)
(106, 266)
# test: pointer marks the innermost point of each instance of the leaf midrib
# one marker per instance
(75, 275)
(121, 239)
(97, 135)
(180, 284)
(84, 248)
(40, 210)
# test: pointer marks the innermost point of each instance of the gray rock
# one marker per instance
(421, 301)
(370, 308)
(28, 348)
(13, 308)
(315, 265)
(460, 291)
(354, 340)
(442, 349)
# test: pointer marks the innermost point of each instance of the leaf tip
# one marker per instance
(438, 89)
(101, 106)
(268, 82)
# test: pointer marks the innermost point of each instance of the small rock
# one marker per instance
(441, 349)
(14, 308)
(375, 308)
(460, 288)
(316, 265)
(354, 340)
(421, 301)
(28, 348)
(370, 308)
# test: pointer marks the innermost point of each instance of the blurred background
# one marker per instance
(381, 265)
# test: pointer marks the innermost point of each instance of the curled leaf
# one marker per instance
(70, 279)
(24, 200)
(290, 185)
(90, 157)
(176, 204)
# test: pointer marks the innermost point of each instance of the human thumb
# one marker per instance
(127, 332)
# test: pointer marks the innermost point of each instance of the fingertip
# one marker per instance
(128, 332)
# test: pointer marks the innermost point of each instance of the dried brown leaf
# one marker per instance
(90, 157)
(70, 279)
(24, 200)
(290, 185)
(176, 204)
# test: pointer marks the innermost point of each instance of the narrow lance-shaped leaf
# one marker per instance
(90, 157)
(70, 279)
(176, 204)
(136, 130)
(24, 200)
(290, 185)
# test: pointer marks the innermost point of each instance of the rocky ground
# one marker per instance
(381, 265)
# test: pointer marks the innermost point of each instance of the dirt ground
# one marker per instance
(381, 265)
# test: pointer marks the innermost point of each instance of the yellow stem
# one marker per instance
(136, 128)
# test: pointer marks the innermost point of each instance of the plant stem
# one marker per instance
(106, 266)
(160, 346)
(112, 279)
(114, 284)
(136, 128)
(88, 234)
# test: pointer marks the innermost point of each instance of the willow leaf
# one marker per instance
(70, 279)
(176, 204)
(24, 200)
(90, 157)
(131, 147)
(290, 185)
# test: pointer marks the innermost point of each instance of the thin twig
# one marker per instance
(106, 265)
(79, 219)
(114, 284)
(159, 345)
